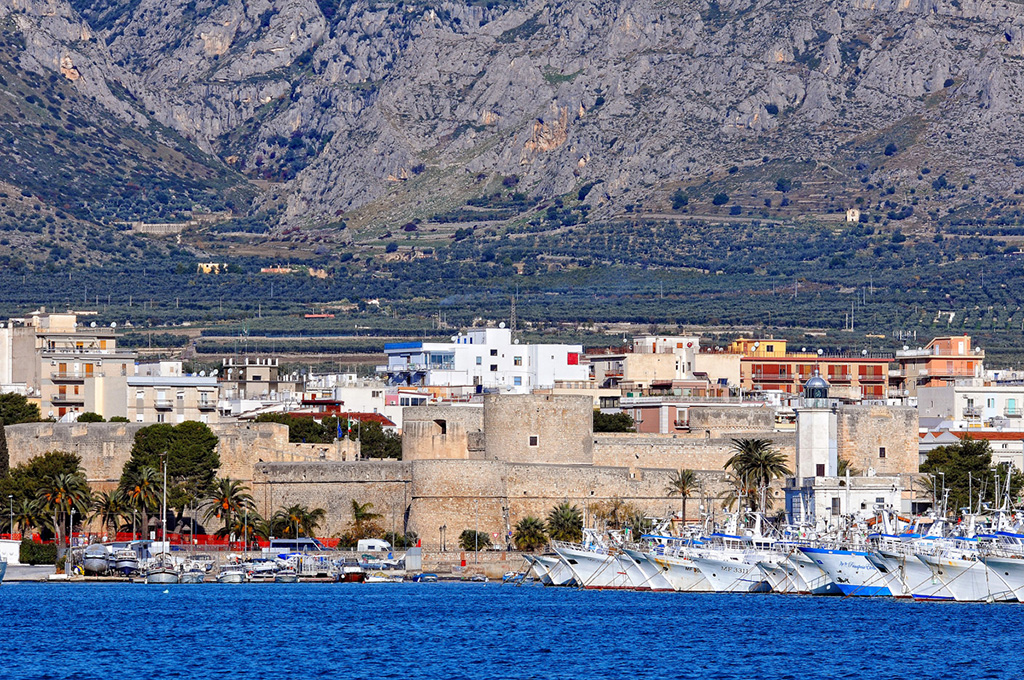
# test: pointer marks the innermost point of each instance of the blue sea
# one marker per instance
(485, 631)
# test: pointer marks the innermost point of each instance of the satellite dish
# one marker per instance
(516, 341)
(501, 325)
(453, 338)
(92, 325)
(820, 352)
(803, 349)
(202, 374)
(213, 372)
(906, 347)
(113, 324)
(864, 352)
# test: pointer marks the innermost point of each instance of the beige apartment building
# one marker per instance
(173, 399)
(71, 366)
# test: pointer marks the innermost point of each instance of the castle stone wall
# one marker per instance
(863, 430)
(539, 428)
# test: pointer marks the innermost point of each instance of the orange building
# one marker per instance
(766, 364)
(942, 362)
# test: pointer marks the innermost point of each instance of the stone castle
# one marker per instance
(489, 466)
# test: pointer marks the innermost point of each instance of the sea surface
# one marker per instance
(485, 631)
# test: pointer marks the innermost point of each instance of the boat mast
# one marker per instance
(163, 514)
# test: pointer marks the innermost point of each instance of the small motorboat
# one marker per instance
(286, 576)
(96, 559)
(203, 560)
(351, 573)
(425, 578)
(478, 578)
(231, 576)
(126, 561)
(382, 577)
(193, 575)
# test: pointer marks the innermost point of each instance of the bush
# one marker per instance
(38, 553)
(720, 199)
(890, 149)
(90, 417)
(735, 210)
(391, 247)
(472, 540)
(679, 199)
(772, 109)
(118, 419)
(783, 184)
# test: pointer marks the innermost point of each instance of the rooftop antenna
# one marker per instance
(512, 316)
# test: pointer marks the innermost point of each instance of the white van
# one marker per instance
(373, 545)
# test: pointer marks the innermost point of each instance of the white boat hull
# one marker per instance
(1010, 571)
(851, 571)
(730, 576)
(231, 577)
(967, 580)
(683, 575)
(594, 570)
(653, 577)
(558, 572)
(161, 576)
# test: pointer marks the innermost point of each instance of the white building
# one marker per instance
(483, 359)
(162, 393)
(998, 406)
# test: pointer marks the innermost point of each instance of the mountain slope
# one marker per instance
(379, 112)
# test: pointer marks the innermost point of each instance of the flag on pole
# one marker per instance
(339, 428)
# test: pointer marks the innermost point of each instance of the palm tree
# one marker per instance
(758, 462)
(108, 508)
(228, 499)
(843, 466)
(529, 534)
(684, 483)
(737, 489)
(363, 513)
(297, 520)
(26, 516)
(565, 523)
(142, 492)
(58, 496)
(246, 525)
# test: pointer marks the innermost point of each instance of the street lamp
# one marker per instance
(10, 499)
(444, 536)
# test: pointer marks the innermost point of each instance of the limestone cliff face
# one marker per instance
(336, 101)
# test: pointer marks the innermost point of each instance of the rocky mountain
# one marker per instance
(378, 113)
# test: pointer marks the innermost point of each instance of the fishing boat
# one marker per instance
(558, 572)
(594, 562)
(161, 570)
(651, 574)
(3, 568)
(851, 571)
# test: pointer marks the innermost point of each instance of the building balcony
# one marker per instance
(839, 377)
(68, 400)
(1015, 412)
(872, 377)
(206, 406)
(163, 404)
(972, 412)
(71, 376)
